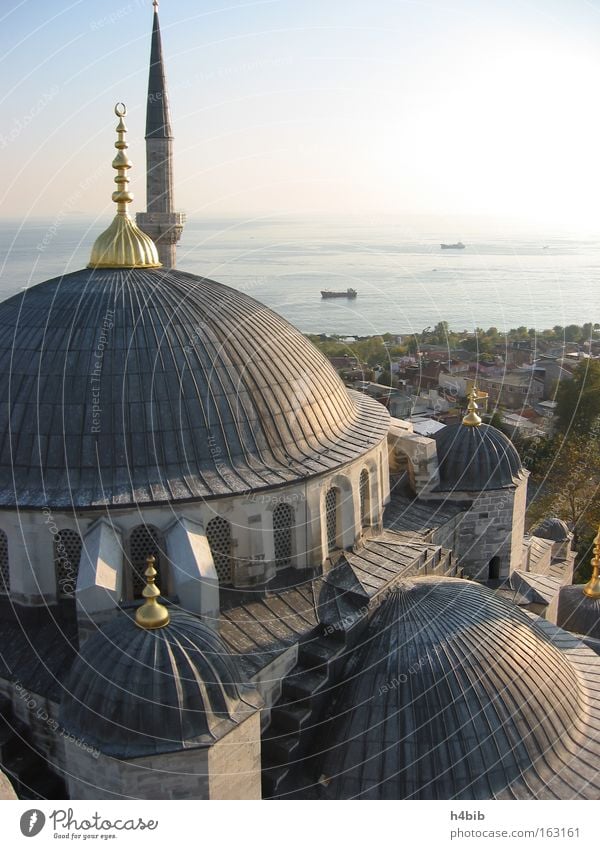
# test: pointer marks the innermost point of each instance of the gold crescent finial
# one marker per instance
(151, 614)
(123, 244)
(472, 419)
(592, 588)
(121, 163)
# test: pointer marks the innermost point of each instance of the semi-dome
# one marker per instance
(122, 386)
(457, 694)
(552, 529)
(133, 692)
(472, 459)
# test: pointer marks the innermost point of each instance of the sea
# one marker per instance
(509, 275)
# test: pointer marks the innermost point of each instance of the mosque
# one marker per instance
(225, 575)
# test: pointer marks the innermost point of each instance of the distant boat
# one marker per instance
(349, 293)
(457, 246)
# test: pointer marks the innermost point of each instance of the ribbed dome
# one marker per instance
(454, 694)
(124, 245)
(578, 612)
(145, 385)
(553, 529)
(134, 692)
(472, 459)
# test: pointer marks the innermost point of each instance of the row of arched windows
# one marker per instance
(146, 540)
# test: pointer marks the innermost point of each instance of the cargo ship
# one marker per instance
(457, 246)
(349, 293)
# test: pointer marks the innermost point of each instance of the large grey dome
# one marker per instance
(472, 459)
(457, 694)
(134, 692)
(148, 385)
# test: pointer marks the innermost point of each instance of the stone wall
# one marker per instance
(491, 525)
(159, 175)
(7, 792)
(234, 763)
(415, 454)
(230, 769)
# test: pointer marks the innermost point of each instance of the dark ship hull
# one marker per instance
(349, 293)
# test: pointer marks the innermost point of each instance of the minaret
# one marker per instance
(160, 222)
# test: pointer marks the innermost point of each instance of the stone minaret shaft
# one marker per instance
(160, 222)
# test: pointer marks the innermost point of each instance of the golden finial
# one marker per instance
(592, 588)
(472, 419)
(151, 614)
(123, 245)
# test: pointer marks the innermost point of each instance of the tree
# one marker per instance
(495, 420)
(578, 400)
(572, 333)
(583, 561)
(570, 488)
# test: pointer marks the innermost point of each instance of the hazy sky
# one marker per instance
(283, 106)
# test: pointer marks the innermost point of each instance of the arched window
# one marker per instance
(218, 534)
(365, 506)
(4, 568)
(283, 520)
(67, 554)
(146, 540)
(331, 514)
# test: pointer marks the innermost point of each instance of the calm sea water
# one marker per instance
(506, 277)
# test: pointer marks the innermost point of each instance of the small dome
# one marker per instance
(134, 692)
(472, 459)
(124, 245)
(577, 612)
(454, 694)
(552, 529)
(137, 386)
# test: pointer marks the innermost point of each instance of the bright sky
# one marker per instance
(282, 106)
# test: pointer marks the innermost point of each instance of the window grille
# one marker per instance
(283, 520)
(4, 567)
(331, 510)
(218, 534)
(67, 553)
(364, 498)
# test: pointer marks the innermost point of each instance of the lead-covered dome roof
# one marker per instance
(552, 529)
(472, 459)
(133, 692)
(138, 385)
(455, 693)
